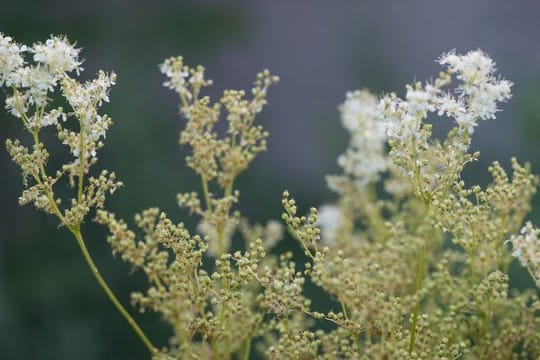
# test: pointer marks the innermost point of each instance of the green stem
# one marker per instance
(221, 226)
(419, 280)
(229, 188)
(344, 310)
(77, 233)
(215, 349)
(247, 349)
(250, 337)
(220, 241)
(382, 346)
(206, 193)
(81, 163)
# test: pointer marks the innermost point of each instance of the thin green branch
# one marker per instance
(419, 280)
(80, 241)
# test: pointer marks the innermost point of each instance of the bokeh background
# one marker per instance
(50, 305)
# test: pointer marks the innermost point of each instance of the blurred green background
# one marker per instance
(50, 305)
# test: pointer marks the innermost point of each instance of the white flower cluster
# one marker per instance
(52, 60)
(58, 55)
(432, 166)
(527, 248)
(34, 79)
(479, 87)
(365, 157)
(33, 84)
(182, 79)
(11, 57)
(402, 118)
(475, 98)
(85, 99)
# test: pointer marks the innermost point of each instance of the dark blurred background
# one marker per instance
(50, 305)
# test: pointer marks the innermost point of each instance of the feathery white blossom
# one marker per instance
(471, 67)
(473, 98)
(82, 96)
(40, 120)
(365, 157)
(35, 82)
(16, 104)
(85, 99)
(58, 55)
(479, 85)
(182, 78)
(476, 96)
(420, 98)
(11, 57)
(399, 120)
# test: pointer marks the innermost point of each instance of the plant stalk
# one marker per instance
(419, 280)
(110, 294)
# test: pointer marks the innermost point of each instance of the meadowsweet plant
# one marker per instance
(414, 262)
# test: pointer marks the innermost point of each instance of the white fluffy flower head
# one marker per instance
(480, 88)
(365, 157)
(36, 82)
(11, 57)
(471, 67)
(475, 97)
(58, 55)
(82, 96)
